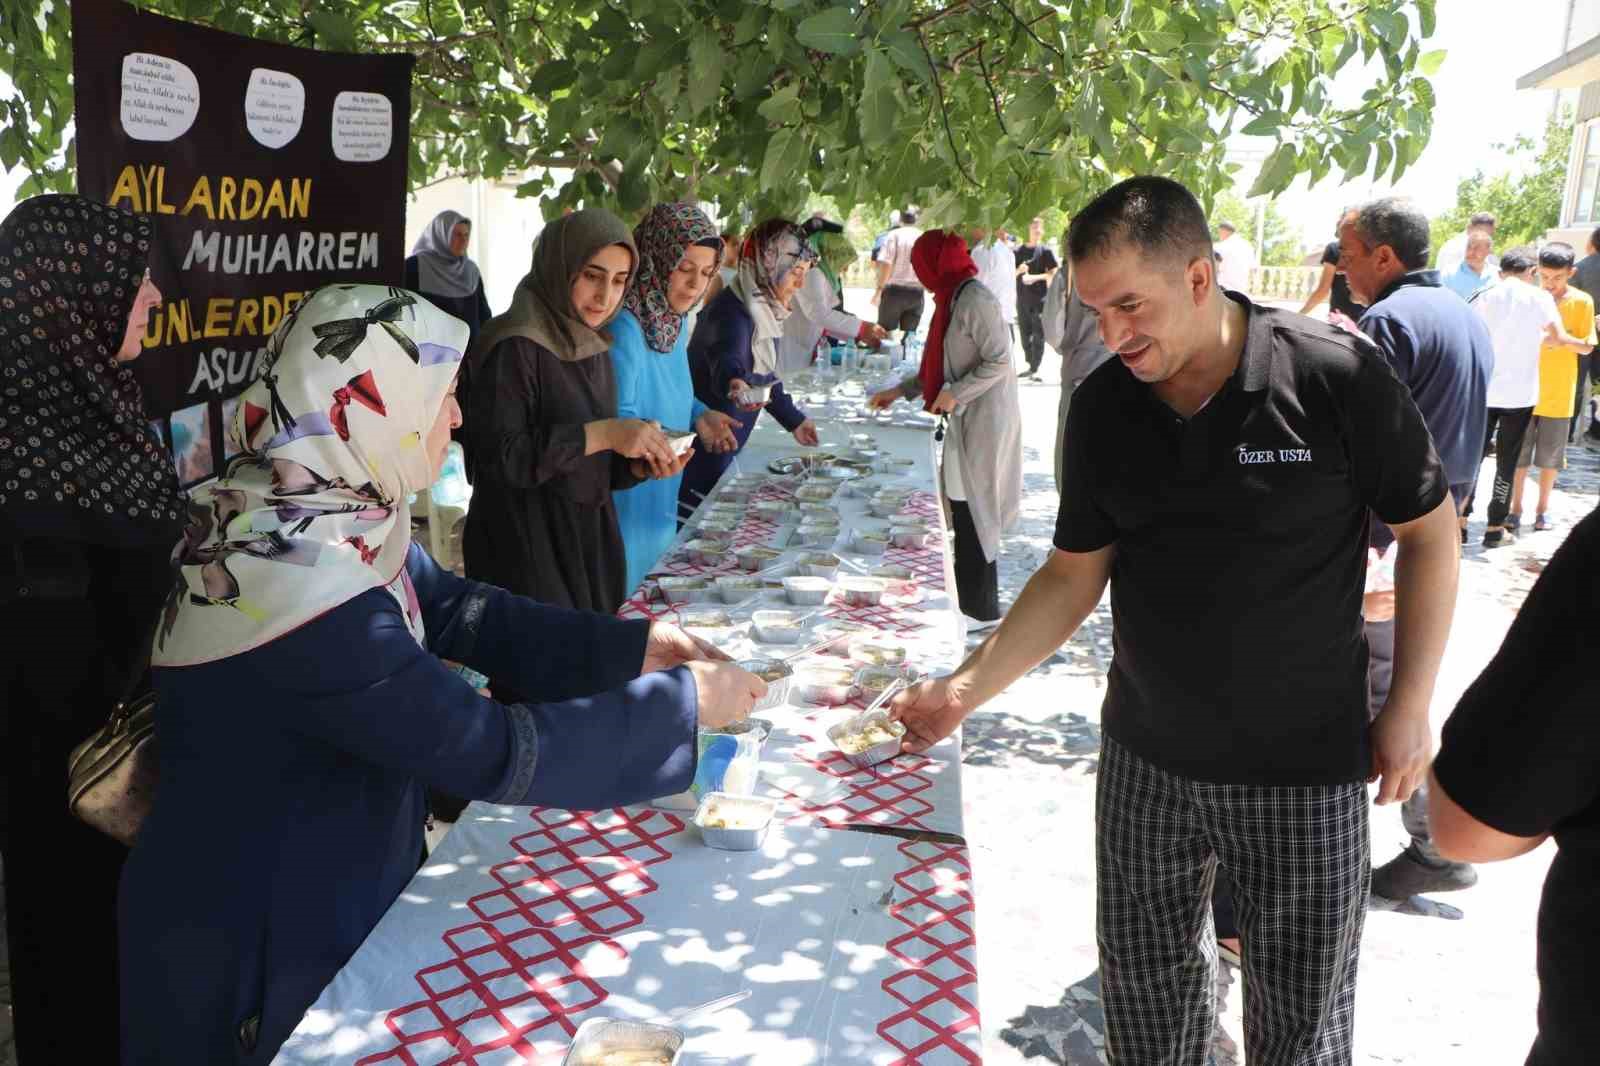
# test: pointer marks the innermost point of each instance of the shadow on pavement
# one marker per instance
(1072, 1033)
(1069, 741)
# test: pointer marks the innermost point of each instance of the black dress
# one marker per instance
(79, 613)
(542, 523)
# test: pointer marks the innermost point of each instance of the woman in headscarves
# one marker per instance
(303, 702)
(819, 305)
(967, 374)
(545, 446)
(439, 269)
(678, 253)
(735, 344)
(89, 511)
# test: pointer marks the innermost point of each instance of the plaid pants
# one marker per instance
(1301, 860)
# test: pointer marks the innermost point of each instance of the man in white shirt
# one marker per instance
(1520, 316)
(997, 268)
(900, 296)
(1235, 257)
(1454, 250)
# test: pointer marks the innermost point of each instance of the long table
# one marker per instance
(853, 926)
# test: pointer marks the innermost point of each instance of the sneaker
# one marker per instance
(1407, 875)
(1497, 538)
(975, 625)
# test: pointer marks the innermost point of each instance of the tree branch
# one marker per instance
(938, 89)
(927, 20)
(1027, 27)
(994, 94)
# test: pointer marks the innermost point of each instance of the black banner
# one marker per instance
(268, 171)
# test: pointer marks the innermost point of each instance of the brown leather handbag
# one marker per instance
(111, 777)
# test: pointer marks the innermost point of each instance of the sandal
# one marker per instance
(1541, 523)
(1513, 521)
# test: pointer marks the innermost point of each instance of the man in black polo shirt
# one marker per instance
(1519, 763)
(1223, 470)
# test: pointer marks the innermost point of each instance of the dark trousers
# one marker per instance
(1301, 861)
(61, 876)
(1513, 423)
(1030, 323)
(1580, 412)
(977, 579)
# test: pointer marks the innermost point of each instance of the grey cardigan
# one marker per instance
(987, 420)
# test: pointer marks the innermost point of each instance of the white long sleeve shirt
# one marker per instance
(997, 271)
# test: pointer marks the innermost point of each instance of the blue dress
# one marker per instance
(653, 385)
(719, 352)
(290, 812)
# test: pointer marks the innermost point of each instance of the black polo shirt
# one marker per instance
(1240, 557)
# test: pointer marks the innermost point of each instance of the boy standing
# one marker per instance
(1545, 443)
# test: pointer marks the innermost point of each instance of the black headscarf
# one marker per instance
(77, 457)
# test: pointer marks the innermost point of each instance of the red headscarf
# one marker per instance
(942, 263)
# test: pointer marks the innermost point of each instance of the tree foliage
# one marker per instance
(982, 110)
(1525, 198)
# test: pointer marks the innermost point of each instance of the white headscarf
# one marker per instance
(440, 272)
(314, 512)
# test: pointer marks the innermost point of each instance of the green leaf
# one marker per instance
(785, 158)
(748, 28)
(879, 106)
(832, 30)
(1265, 124)
(1425, 17)
(782, 106)
(558, 74)
(755, 71)
(1276, 172)
(1430, 62)
(907, 51)
(705, 64)
(334, 32)
(1385, 157)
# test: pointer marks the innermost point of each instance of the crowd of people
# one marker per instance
(1229, 471)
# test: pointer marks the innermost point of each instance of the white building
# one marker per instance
(1577, 68)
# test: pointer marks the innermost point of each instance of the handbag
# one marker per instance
(111, 777)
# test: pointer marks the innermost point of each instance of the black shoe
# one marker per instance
(1497, 538)
(1407, 875)
(1463, 534)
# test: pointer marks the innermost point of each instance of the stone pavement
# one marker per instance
(1451, 983)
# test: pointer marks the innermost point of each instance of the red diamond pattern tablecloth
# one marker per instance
(939, 987)
(575, 881)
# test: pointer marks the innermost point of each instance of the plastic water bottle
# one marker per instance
(451, 490)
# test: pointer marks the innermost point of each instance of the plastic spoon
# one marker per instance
(718, 1004)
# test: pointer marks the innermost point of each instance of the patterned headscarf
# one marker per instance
(770, 251)
(440, 272)
(77, 457)
(666, 233)
(314, 512)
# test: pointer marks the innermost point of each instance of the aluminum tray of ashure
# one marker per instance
(867, 739)
(779, 677)
(794, 465)
(620, 1042)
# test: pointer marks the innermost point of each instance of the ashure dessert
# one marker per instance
(876, 732)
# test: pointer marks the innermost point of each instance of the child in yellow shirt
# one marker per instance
(1545, 443)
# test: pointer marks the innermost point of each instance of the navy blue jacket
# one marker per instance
(290, 811)
(1440, 349)
(719, 352)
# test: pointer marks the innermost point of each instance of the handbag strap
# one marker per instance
(141, 666)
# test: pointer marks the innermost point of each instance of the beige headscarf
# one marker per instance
(541, 310)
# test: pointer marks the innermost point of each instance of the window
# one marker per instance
(1587, 209)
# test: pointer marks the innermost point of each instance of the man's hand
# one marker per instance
(886, 398)
(1402, 747)
(871, 333)
(930, 710)
(716, 432)
(943, 403)
(668, 646)
(806, 433)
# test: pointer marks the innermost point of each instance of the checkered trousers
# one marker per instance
(1301, 861)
